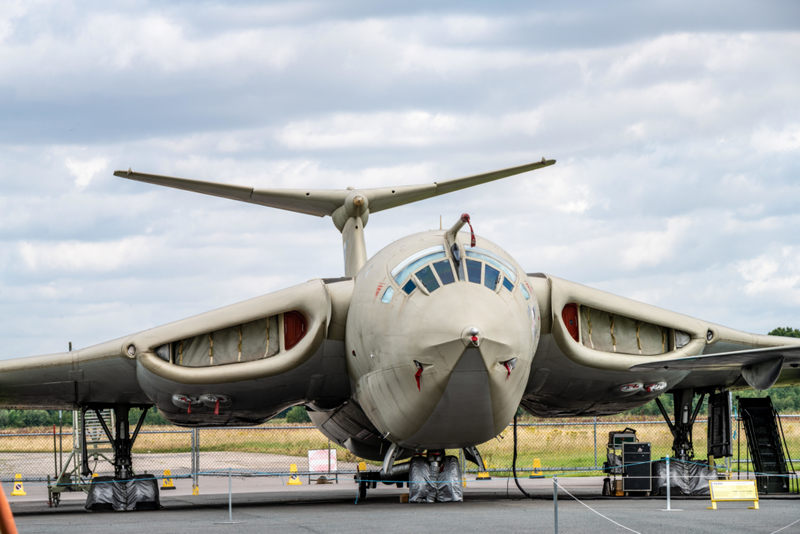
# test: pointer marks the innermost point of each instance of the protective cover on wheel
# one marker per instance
(444, 486)
(421, 483)
(687, 478)
(107, 493)
(103, 494)
(449, 487)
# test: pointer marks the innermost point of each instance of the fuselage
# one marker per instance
(440, 340)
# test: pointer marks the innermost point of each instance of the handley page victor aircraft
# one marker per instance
(431, 344)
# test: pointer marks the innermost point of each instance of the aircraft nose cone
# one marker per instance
(446, 385)
(471, 336)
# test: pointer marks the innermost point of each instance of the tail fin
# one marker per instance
(340, 205)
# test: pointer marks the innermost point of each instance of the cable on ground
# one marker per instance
(595, 511)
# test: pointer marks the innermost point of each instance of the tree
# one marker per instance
(785, 332)
(298, 414)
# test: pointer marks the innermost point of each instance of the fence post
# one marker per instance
(669, 504)
(195, 458)
(191, 452)
(595, 442)
(555, 502)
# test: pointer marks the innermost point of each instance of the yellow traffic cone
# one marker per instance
(167, 484)
(294, 480)
(484, 475)
(537, 469)
(19, 490)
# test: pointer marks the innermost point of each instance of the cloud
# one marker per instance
(71, 256)
(785, 140)
(411, 128)
(85, 170)
(676, 138)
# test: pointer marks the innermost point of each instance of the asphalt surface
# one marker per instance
(488, 507)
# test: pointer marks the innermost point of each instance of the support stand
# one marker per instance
(125, 490)
(681, 428)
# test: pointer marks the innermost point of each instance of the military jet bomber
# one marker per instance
(431, 344)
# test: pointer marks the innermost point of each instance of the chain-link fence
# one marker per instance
(569, 445)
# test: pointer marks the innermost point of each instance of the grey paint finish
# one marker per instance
(464, 412)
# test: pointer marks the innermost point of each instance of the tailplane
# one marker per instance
(349, 208)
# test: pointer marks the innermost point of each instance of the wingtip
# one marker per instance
(123, 174)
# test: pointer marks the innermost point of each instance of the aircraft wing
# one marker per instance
(257, 356)
(760, 368)
(608, 332)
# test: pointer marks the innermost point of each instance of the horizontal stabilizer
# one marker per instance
(322, 202)
(319, 202)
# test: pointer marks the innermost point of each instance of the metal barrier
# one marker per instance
(270, 450)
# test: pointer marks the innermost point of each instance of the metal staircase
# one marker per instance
(767, 446)
(97, 448)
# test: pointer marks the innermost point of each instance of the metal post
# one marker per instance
(669, 493)
(197, 456)
(595, 442)
(230, 500)
(555, 502)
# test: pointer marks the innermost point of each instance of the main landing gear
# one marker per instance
(681, 427)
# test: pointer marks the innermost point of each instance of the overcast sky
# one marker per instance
(676, 126)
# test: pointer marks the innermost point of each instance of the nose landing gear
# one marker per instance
(435, 478)
(430, 477)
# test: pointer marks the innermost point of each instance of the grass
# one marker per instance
(555, 446)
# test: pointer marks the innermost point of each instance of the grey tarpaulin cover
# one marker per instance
(107, 494)
(444, 486)
(449, 484)
(421, 487)
(688, 478)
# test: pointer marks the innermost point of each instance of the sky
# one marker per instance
(675, 126)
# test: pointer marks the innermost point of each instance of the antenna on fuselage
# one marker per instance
(349, 208)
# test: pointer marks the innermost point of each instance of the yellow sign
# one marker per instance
(167, 483)
(733, 490)
(19, 490)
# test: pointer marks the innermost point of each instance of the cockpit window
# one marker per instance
(493, 259)
(525, 292)
(445, 272)
(404, 269)
(474, 271)
(425, 275)
(432, 269)
(409, 287)
(387, 295)
(491, 277)
(507, 284)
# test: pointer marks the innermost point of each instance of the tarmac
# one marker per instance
(268, 505)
